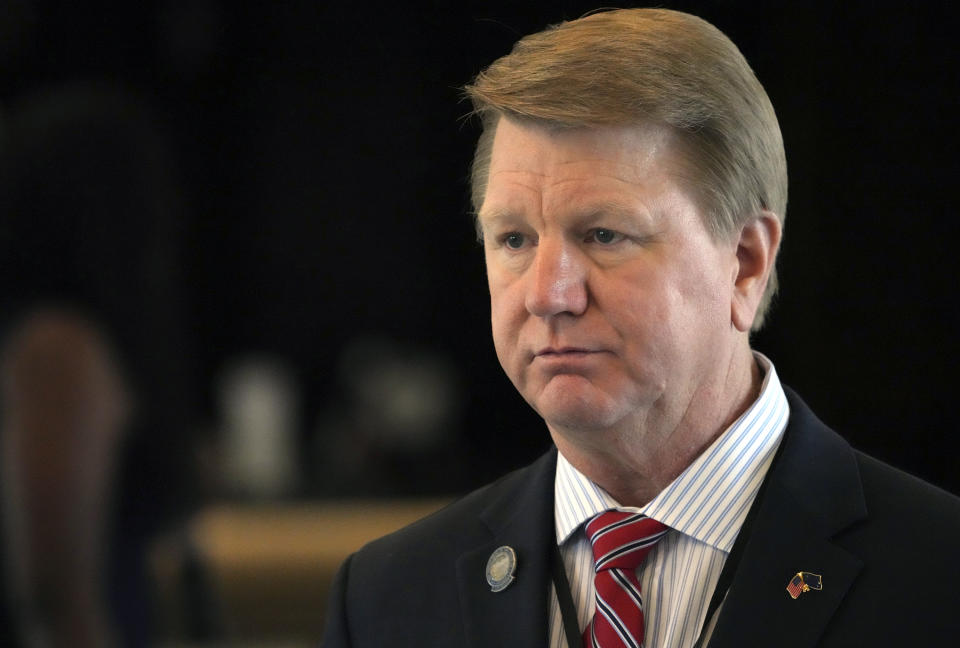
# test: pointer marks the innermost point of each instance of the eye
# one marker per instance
(605, 236)
(514, 240)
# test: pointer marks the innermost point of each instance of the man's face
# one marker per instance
(610, 302)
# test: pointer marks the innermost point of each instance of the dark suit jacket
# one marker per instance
(885, 543)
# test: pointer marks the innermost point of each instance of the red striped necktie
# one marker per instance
(621, 541)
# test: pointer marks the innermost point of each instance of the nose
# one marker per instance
(556, 280)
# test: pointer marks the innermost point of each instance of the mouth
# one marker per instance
(566, 360)
(559, 352)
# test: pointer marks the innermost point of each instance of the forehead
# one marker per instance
(528, 157)
(528, 141)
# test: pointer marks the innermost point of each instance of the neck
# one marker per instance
(635, 462)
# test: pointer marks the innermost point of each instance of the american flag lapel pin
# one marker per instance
(804, 582)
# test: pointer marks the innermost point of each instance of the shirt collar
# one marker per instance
(710, 499)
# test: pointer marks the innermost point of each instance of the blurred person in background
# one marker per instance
(92, 211)
(630, 186)
(64, 409)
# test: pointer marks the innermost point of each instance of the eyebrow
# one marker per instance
(496, 214)
(612, 209)
(491, 217)
(599, 210)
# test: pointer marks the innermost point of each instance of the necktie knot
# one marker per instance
(622, 540)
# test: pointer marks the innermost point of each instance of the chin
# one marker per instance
(580, 409)
(578, 421)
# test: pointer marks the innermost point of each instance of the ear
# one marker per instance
(756, 254)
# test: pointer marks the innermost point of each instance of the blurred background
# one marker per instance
(244, 316)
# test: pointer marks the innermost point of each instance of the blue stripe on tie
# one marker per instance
(616, 623)
(630, 547)
(628, 587)
(616, 525)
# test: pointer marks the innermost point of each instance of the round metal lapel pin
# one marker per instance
(501, 567)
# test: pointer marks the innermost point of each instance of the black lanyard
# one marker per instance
(571, 627)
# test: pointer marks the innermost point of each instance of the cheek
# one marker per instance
(642, 305)
(660, 311)
(703, 313)
(505, 319)
(506, 341)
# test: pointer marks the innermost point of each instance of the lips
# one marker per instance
(566, 360)
(565, 353)
(562, 351)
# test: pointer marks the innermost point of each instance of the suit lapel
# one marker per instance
(522, 518)
(813, 493)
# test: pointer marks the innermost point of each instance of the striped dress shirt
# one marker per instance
(705, 506)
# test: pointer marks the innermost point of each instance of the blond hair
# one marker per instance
(634, 66)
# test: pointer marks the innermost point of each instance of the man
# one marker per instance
(630, 186)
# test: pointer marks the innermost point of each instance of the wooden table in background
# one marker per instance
(269, 567)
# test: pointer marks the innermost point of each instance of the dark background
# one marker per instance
(210, 179)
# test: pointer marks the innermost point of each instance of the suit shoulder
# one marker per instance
(908, 522)
(891, 492)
